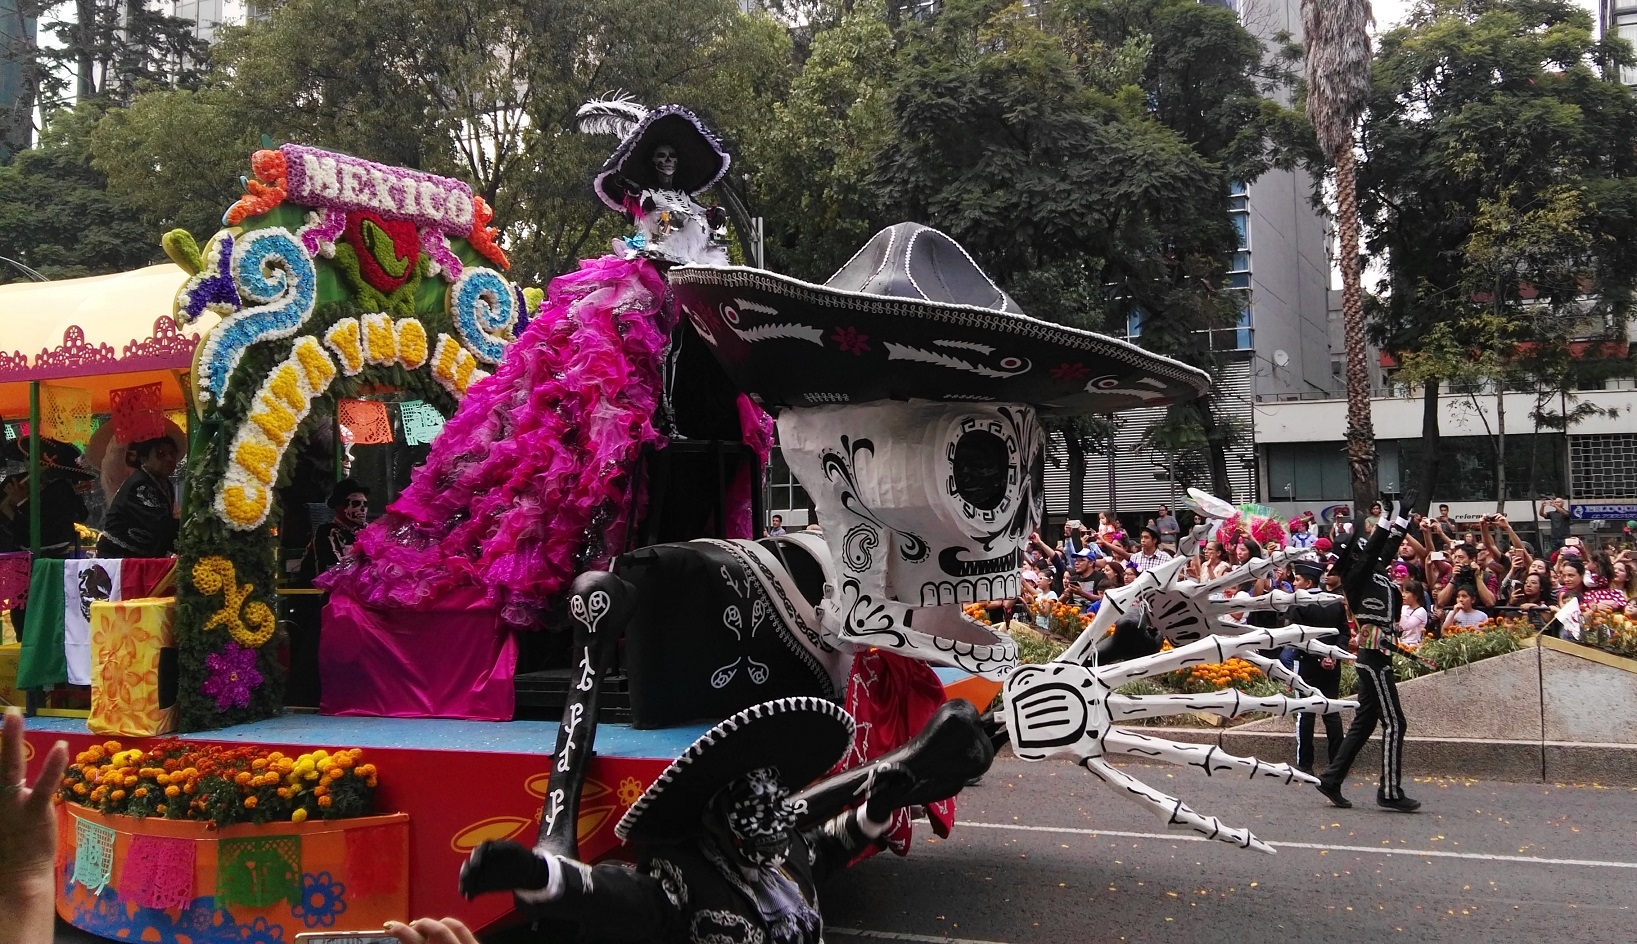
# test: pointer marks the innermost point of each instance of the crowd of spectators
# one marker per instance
(1452, 574)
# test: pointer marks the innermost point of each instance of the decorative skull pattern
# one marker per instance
(759, 816)
(925, 506)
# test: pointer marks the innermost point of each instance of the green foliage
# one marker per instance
(176, 156)
(1498, 186)
(1497, 161)
(1035, 648)
(56, 214)
(1457, 650)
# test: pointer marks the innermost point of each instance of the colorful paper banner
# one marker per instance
(65, 413)
(368, 420)
(422, 422)
(158, 872)
(137, 413)
(258, 871)
(93, 855)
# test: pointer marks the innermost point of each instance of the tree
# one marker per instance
(56, 214)
(1084, 155)
(108, 52)
(1499, 185)
(813, 165)
(1337, 40)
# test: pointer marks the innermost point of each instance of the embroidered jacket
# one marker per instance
(692, 894)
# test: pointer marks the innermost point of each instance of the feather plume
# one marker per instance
(617, 113)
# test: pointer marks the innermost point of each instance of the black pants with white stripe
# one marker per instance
(1377, 702)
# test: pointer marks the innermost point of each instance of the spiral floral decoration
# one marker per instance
(272, 270)
(485, 312)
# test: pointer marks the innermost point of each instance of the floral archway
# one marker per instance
(334, 275)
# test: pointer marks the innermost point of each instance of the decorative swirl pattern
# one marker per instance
(215, 575)
(858, 547)
(485, 311)
(272, 270)
(840, 465)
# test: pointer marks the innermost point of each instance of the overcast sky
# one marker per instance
(1389, 12)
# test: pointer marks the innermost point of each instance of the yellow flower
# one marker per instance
(298, 816)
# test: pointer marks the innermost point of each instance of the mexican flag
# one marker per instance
(56, 633)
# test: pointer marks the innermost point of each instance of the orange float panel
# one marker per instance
(162, 880)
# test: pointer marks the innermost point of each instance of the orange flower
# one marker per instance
(173, 790)
(325, 802)
(250, 803)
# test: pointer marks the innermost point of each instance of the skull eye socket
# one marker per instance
(981, 469)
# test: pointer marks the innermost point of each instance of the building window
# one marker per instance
(784, 493)
(1625, 27)
(1134, 320)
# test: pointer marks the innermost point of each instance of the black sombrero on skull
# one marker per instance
(701, 159)
(801, 738)
(911, 316)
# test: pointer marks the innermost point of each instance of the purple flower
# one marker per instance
(211, 288)
(233, 676)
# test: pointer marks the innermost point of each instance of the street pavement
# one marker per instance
(1045, 853)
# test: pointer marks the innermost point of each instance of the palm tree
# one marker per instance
(1337, 40)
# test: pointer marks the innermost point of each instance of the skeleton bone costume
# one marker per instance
(723, 859)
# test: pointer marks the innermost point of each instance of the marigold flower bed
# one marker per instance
(220, 784)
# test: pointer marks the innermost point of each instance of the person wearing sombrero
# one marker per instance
(61, 506)
(141, 520)
(723, 855)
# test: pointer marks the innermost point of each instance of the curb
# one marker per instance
(1475, 758)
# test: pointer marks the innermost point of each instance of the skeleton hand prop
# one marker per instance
(1184, 610)
(1065, 708)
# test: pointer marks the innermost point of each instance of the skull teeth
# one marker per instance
(969, 589)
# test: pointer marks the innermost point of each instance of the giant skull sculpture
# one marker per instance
(925, 506)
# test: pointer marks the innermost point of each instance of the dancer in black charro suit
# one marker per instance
(1373, 601)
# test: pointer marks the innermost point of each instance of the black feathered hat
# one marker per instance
(701, 160)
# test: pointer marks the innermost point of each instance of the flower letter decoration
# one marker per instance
(250, 624)
(246, 493)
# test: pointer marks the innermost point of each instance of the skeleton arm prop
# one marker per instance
(1066, 708)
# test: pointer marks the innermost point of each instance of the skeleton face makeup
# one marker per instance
(758, 817)
(926, 506)
(665, 161)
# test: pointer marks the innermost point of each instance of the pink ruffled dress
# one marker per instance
(535, 477)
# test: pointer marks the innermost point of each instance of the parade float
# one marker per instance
(611, 424)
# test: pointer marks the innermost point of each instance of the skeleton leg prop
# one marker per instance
(1172, 810)
(601, 604)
